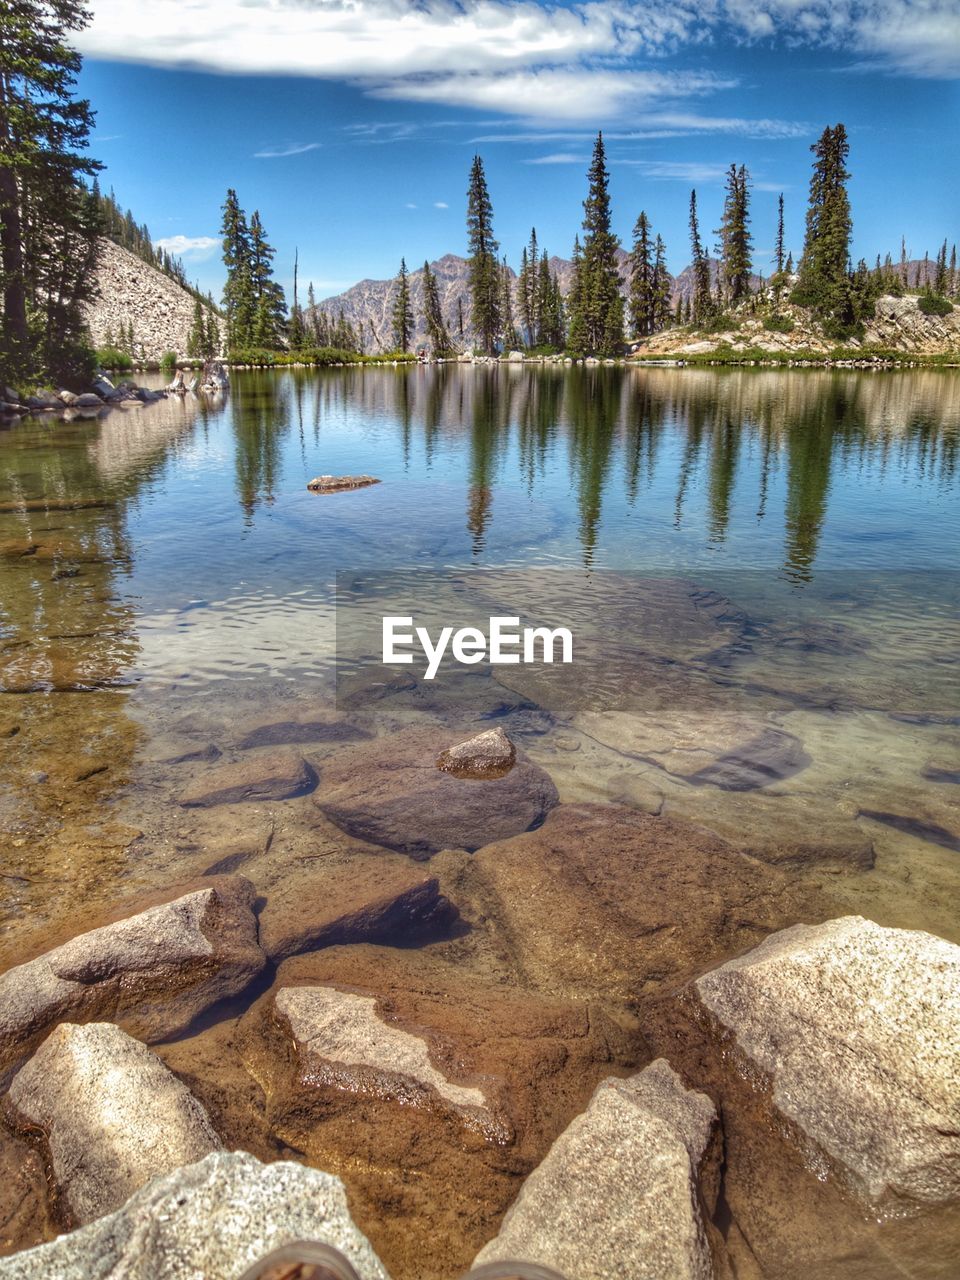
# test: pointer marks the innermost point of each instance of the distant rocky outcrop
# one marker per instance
(128, 291)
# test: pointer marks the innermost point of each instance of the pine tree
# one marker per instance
(940, 278)
(824, 279)
(597, 319)
(509, 335)
(485, 290)
(433, 314)
(296, 330)
(733, 282)
(197, 337)
(270, 307)
(661, 287)
(551, 332)
(778, 250)
(702, 304)
(577, 339)
(402, 311)
(642, 293)
(528, 291)
(239, 302)
(49, 220)
(952, 284)
(460, 327)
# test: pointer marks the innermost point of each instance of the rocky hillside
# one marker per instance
(897, 325)
(129, 290)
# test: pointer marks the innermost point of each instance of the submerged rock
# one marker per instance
(488, 755)
(390, 792)
(373, 900)
(337, 484)
(152, 972)
(111, 1115)
(855, 1031)
(609, 902)
(621, 1192)
(212, 1219)
(269, 775)
(299, 726)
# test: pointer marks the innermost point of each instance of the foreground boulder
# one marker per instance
(622, 1191)
(390, 792)
(111, 1115)
(855, 1030)
(152, 973)
(211, 1219)
(488, 755)
(278, 774)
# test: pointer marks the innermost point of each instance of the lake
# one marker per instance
(760, 570)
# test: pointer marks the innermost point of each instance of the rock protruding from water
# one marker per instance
(339, 484)
(343, 1041)
(622, 1190)
(211, 1219)
(488, 755)
(214, 377)
(111, 1115)
(153, 972)
(390, 792)
(277, 774)
(855, 1030)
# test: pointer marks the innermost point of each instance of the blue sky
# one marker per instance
(350, 124)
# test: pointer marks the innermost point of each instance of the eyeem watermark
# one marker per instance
(502, 644)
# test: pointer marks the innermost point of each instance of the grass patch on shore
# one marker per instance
(314, 357)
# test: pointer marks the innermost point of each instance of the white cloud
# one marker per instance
(193, 247)
(679, 170)
(559, 157)
(440, 204)
(536, 60)
(409, 205)
(554, 94)
(279, 153)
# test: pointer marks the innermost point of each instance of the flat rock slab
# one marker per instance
(278, 774)
(342, 1040)
(855, 1029)
(621, 1191)
(212, 1219)
(338, 484)
(488, 755)
(608, 902)
(153, 972)
(111, 1115)
(390, 792)
(732, 751)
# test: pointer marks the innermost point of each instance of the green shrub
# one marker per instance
(932, 305)
(778, 324)
(168, 362)
(114, 359)
(719, 324)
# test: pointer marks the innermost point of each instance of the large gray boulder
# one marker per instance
(111, 1115)
(152, 973)
(622, 1191)
(854, 1031)
(211, 1220)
